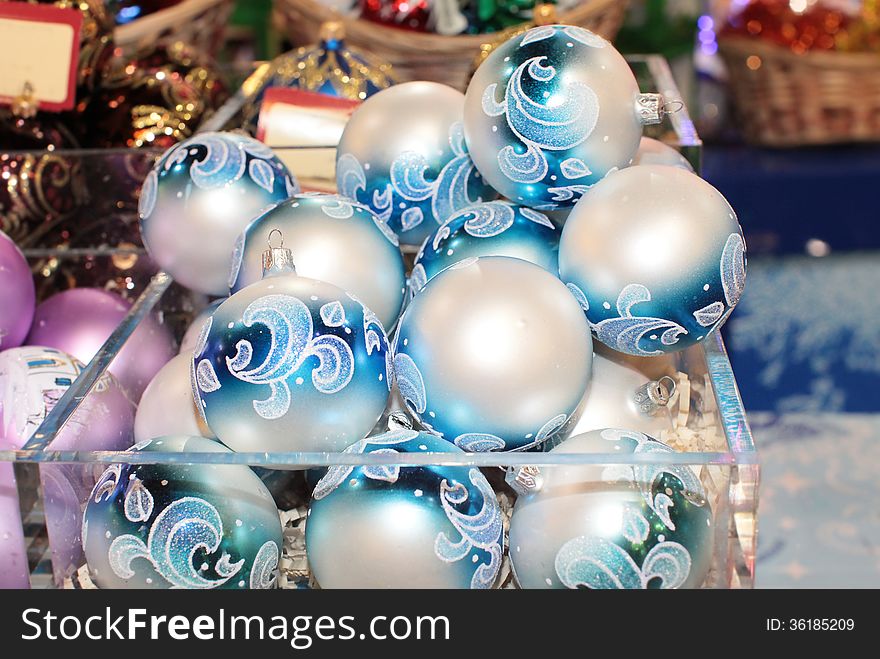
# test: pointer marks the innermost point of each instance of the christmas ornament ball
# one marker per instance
(167, 406)
(79, 320)
(550, 112)
(17, 295)
(403, 155)
(493, 354)
(612, 526)
(200, 196)
(492, 228)
(656, 257)
(32, 381)
(618, 397)
(191, 335)
(332, 240)
(655, 152)
(390, 526)
(181, 525)
(291, 364)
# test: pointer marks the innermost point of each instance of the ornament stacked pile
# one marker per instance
(489, 346)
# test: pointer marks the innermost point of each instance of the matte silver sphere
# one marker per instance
(194, 526)
(551, 112)
(390, 526)
(611, 401)
(613, 526)
(290, 363)
(403, 154)
(656, 258)
(494, 354)
(332, 240)
(655, 152)
(167, 406)
(200, 196)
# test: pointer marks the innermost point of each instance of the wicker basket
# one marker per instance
(786, 99)
(200, 23)
(421, 56)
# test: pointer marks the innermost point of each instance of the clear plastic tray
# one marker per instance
(710, 429)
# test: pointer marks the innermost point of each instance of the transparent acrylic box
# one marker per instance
(710, 430)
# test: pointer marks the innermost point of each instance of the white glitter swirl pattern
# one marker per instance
(483, 530)
(185, 527)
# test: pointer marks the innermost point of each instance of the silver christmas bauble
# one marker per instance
(550, 112)
(167, 406)
(200, 196)
(181, 525)
(403, 155)
(655, 152)
(291, 364)
(492, 228)
(656, 258)
(191, 336)
(332, 240)
(494, 354)
(612, 526)
(389, 526)
(619, 396)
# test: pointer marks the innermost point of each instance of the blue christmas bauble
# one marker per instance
(493, 354)
(403, 155)
(656, 258)
(390, 526)
(200, 196)
(181, 525)
(551, 112)
(291, 364)
(493, 228)
(332, 240)
(613, 526)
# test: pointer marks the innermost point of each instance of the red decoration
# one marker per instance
(817, 28)
(405, 14)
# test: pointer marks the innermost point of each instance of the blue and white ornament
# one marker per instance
(200, 196)
(492, 228)
(181, 525)
(656, 258)
(403, 155)
(391, 526)
(493, 354)
(628, 526)
(550, 112)
(291, 364)
(332, 239)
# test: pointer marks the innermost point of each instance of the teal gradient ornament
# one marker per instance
(493, 354)
(403, 155)
(291, 364)
(493, 228)
(200, 196)
(550, 112)
(181, 525)
(613, 526)
(404, 527)
(656, 258)
(332, 239)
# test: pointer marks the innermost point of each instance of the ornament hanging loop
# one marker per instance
(652, 396)
(277, 260)
(671, 107)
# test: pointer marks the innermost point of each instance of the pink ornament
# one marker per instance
(16, 294)
(32, 380)
(79, 320)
